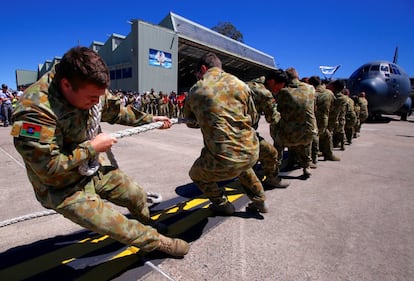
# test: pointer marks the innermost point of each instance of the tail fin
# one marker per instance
(395, 55)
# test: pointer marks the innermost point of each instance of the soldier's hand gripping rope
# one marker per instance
(88, 168)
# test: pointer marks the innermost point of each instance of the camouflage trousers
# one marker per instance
(268, 158)
(349, 133)
(87, 208)
(301, 154)
(325, 142)
(338, 136)
(315, 148)
(208, 170)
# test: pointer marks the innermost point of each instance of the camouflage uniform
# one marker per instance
(350, 119)
(363, 115)
(357, 108)
(162, 104)
(325, 99)
(265, 103)
(51, 136)
(223, 108)
(297, 126)
(338, 127)
(153, 104)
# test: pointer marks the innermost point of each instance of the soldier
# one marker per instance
(222, 107)
(153, 104)
(54, 128)
(357, 108)
(145, 102)
(350, 116)
(325, 99)
(297, 126)
(162, 101)
(266, 104)
(336, 123)
(363, 115)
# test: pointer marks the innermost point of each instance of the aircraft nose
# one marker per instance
(381, 97)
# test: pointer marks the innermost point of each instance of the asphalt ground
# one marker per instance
(351, 220)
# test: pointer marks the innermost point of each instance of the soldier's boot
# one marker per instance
(315, 158)
(342, 145)
(312, 165)
(224, 209)
(276, 182)
(332, 157)
(257, 206)
(306, 172)
(173, 246)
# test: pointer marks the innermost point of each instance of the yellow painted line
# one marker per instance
(187, 206)
(84, 240)
(47, 261)
(233, 198)
(68, 261)
(97, 240)
(129, 251)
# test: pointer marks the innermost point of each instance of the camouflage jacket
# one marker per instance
(50, 135)
(264, 101)
(363, 103)
(350, 114)
(337, 115)
(296, 104)
(324, 104)
(223, 108)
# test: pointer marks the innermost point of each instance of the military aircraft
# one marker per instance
(386, 85)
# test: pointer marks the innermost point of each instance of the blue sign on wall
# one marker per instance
(160, 58)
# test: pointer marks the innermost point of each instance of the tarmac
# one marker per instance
(350, 220)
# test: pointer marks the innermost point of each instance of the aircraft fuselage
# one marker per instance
(386, 86)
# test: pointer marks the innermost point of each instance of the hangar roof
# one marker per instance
(195, 40)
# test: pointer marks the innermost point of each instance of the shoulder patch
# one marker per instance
(35, 132)
(30, 130)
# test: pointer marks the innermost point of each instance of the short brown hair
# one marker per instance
(292, 73)
(278, 75)
(315, 81)
(209, 60)
(82, 65)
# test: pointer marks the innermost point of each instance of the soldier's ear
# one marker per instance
(65, 85)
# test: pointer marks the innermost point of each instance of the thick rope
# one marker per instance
(152, 197)
(88, 168)
(27, 217)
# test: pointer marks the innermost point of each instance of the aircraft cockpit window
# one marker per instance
(395, 70)
(385, 68)
(375, 67)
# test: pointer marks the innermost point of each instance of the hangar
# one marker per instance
(163, 56)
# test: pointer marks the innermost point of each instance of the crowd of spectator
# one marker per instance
(151, 102)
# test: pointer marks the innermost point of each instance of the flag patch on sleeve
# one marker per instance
(30, 130)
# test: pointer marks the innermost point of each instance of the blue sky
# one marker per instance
(302, 33)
